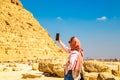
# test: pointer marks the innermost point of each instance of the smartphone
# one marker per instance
(57, 36)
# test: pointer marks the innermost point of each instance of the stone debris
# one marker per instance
(31, 75)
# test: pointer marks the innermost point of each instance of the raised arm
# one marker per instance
(61, 43)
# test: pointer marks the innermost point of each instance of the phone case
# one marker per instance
(57, 36)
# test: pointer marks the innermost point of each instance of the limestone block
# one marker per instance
(5, 69)
(12, 65)
(116, 73)
(57, 69)
(44, 68)
(53, 66)
(90, 76)
(119, 67)
(35, 66)
(29, 75)
(105, 76)
(95, 66)
(16, 69)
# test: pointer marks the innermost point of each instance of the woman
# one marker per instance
(72, 68)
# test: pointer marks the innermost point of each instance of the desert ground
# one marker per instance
(23, 71)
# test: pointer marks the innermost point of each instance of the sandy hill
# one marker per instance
(21, 35)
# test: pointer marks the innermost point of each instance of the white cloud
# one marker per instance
(103, 18)
(59, 18)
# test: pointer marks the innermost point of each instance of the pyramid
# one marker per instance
(22, 36)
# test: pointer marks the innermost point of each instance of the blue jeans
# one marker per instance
(68, 76)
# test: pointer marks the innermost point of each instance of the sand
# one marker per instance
(22, 71)
(16, 73)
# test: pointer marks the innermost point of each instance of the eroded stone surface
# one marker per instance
(21, 35)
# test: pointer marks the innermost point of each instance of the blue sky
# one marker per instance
(95, 22)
